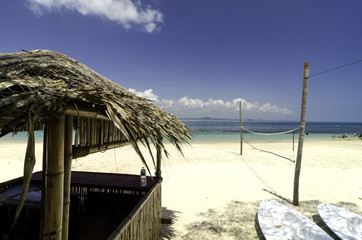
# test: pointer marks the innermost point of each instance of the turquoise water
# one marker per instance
(22, 137)
(229, 131)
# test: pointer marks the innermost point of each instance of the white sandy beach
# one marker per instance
(213, 192)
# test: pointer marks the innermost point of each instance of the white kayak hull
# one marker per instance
(278, 221)
(345, 224)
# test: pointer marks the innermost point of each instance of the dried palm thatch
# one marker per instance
(40, 84)
(43, 83)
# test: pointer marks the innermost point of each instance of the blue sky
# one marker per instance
(198, 58)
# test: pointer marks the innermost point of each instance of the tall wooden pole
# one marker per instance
(53, 214)
(241, 132)
(68, 156)
(159, 157)
(43, 174)
(298, 163)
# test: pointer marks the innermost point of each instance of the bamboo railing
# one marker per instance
(144, 223)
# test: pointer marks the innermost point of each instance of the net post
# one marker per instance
(241, 131)
(301, 136)
(293, 140)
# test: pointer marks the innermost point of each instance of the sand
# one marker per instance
(212, 192)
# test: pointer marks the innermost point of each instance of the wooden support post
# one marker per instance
(118, 135)
(82, 132)
(298, 163)
(77, 133)
(96, 131)
(159, 157)
(93, 133)
(241, 132)
(101, 132)
(88, 132)
(106, 130)
(43, 174)
(114, 132)
(68, 156)
(293, 142)
(53, 214)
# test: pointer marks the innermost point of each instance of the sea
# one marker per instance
(229, 131)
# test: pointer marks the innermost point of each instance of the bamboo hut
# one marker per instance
(80, 112)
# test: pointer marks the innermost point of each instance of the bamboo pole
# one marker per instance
(68, 156)
(92, 133)
(43, 174)
(82, 132)
(106, 129)
(241, 132)
(118, 134)
(114, 133)
(77, 133)
(96, 131)
(101, 132)
(88, 132)
(298, 163)
(53, 214)
(110, 132)
(159, 157)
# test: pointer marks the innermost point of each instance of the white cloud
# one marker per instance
(166, 103)
(190, 103)
(148, 94)
(267, 107)
(124, 12)
(219, 106)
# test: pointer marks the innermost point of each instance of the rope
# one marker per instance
(257, 175)
(293, 161)
(268, 134)
(269, 189)
(332, 69)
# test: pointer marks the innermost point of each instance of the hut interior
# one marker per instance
(80, 112)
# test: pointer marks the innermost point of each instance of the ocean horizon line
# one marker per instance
(262, 120)
(226, 130)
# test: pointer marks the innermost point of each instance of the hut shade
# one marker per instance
(44, 83)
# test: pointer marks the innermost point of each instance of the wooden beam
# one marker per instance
(84, 151)
(85, 112)
(53, 215)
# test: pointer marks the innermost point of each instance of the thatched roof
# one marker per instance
(42, 83)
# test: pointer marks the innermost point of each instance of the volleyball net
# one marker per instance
(283, 147)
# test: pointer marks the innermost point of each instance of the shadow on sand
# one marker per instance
(235, 221)
(238, 220)
(167, 231)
